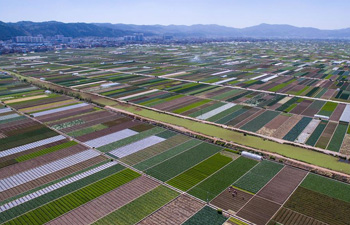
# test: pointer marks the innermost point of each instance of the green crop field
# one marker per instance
(338, 136)
(140, 207)
(196, 174)
(45, 151)
(166, 155)
(68, 202)
(326, 186)
(257, 177)
(176, 165)
(319, 206)
(211, 187)
(206, 215)
(41, 200)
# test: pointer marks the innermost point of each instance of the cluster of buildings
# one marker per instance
(41, 39)
(135, 37)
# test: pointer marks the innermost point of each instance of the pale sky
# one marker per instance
(324, 14)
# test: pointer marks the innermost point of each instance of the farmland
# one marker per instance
(65, 158)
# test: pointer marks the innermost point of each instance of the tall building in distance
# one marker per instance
(135, 37)
(29, 39)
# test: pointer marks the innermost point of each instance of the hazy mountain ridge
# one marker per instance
(9, 30)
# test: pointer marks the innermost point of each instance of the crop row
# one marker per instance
(176, 165)
(196, 174)
(68, 202)
(257, 177)
(220, 180)
(140, 207)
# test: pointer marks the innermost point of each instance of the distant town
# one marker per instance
(39, 43)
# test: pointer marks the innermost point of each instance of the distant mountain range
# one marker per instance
(23, 28)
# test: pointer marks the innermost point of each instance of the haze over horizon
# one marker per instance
(322, 14)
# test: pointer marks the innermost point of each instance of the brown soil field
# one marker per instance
(266, 131)
(301, 107)
(15, 123)
(285, 128)
(107, 203)
(338, 112)
(311, 111)
(86, 117)
(227, 202)
(243, 116)
(328, 94)
(18, 127)
(177, 103)
(345, 148)
(96, 121)
(258, 210)
(282, 185)
(175, 212)
(39, 102)
(326, 135)
(276, 122)
(65, 114)
(48, 106)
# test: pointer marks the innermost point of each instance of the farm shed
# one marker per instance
(109, 85)
(251, 156)
(321, 117)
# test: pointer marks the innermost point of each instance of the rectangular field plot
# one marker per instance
(326, 186)
(196, 174)
(206, 215)
(317, 133)
(258, 210)
(46, 213)
(326, 135)
(282, 185)
(136, 146)
(175, 212)
(176, 165)
(297, 129)
(38, 201)
(227, 201)
(321, 207)
(257, 123)
(140, 207)
(289, 217)
(154, 150)
(338, 136)
(107, 203)
(110, 138)
(166, 155)
(219, 181)
(256, 178)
